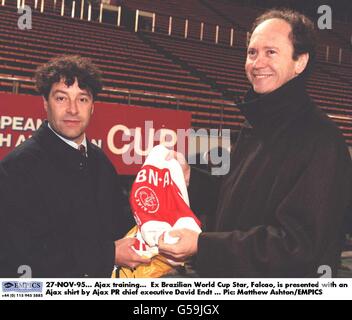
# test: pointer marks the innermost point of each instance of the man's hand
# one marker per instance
(185, 247)
(125, 256)
(183, 163)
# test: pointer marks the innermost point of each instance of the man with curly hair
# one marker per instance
(62, 207)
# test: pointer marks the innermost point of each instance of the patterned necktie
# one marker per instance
(82, 150)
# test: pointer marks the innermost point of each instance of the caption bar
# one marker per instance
(174, 289)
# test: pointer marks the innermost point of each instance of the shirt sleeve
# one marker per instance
(203, 193)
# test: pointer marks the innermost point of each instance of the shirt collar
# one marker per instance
(70, 142)
(275, 107)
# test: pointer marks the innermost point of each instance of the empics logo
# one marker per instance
(8, 285)
(21, 286)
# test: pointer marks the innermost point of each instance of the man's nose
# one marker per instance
(72, 107)
(260, 61)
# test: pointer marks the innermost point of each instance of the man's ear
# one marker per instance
(301, 62)
(92, 111)
(45, 103)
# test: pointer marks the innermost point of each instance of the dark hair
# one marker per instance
(302, 36)
(69, 68)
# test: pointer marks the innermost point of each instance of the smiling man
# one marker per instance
(62, 210)
(270, 61)
(281, 208)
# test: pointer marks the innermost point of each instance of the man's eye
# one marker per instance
(251, 52)
(84, 100)
(271, 51)
(60, 99)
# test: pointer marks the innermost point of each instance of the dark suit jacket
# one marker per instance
(60, 212)
(281, 208)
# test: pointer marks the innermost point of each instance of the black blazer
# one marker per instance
(281, 208)
(60, 212)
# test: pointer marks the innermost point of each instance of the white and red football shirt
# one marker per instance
(159, 200)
